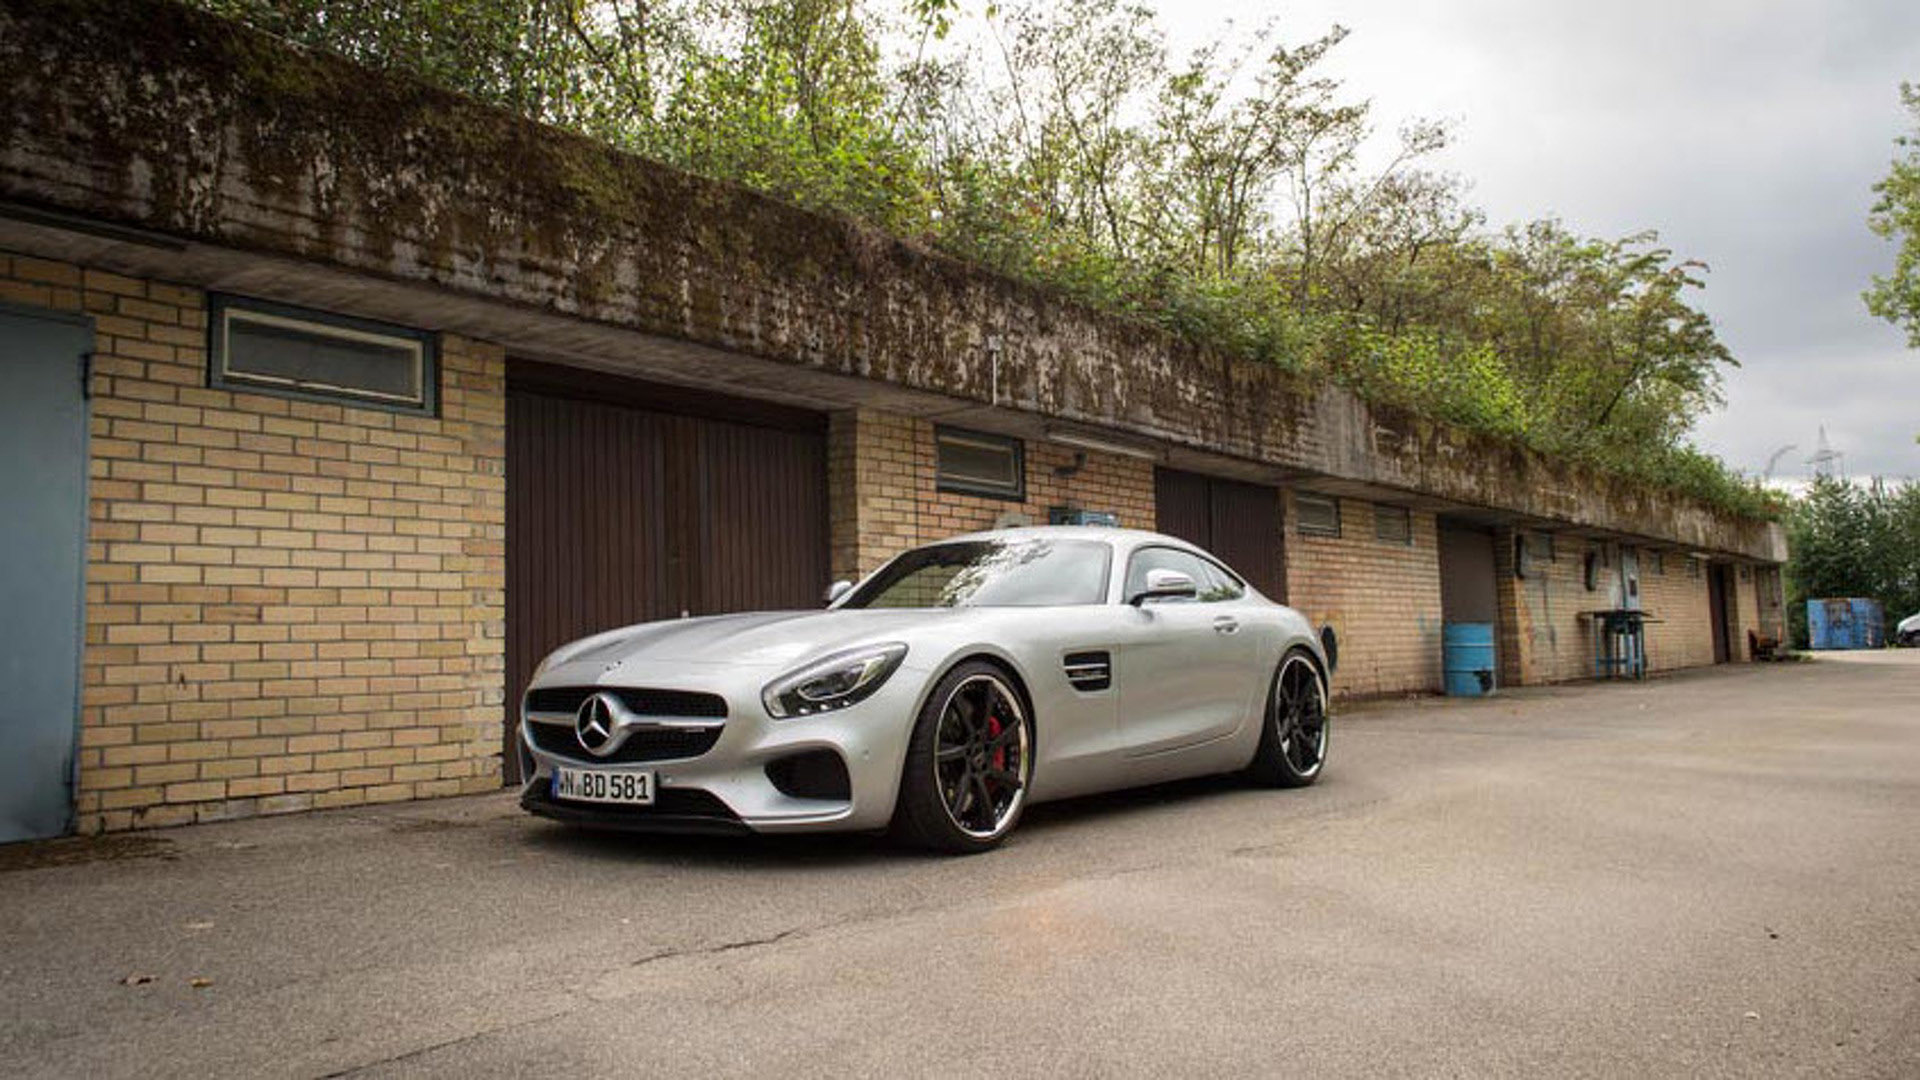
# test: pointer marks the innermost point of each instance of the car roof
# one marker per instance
(1104, 533)
(1125, 540)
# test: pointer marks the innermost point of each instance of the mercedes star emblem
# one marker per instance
(593, 724)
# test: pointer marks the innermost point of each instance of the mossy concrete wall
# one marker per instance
(145, 114)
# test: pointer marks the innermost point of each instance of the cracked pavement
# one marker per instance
(1712, 874)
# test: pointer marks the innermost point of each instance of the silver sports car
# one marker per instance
(955, 685)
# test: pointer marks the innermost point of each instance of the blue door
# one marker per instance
(43, 507)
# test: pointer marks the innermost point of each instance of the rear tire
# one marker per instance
(968, 765)
(1294, 732)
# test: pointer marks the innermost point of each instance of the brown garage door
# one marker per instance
(1237, 521)
(628, 501)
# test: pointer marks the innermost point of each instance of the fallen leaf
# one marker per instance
(136, 980)
(200, 926)
(199, 982)
(1753, 1016)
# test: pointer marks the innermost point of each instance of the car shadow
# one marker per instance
(750, 851)
(838, 851)
(1134, 802)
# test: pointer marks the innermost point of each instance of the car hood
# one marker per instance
(761, 639)
(1911, 622)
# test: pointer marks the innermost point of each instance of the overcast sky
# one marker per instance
(1748, 133)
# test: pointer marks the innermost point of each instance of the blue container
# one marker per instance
(1849, 623)
(1467, 655)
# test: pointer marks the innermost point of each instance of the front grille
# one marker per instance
(662, 744)
(641, 701)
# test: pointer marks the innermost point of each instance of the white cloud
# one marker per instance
(1749, 135)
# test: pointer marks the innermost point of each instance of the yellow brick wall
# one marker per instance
(1683, 635)
(1509, 600)
(874, 473)
(1546, 638)
(1381, 598)
(289, 604)
(1556, 643)
(1772, 599)
(1744, 605)
(882, 467)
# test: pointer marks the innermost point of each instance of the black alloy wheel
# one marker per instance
(969, 764)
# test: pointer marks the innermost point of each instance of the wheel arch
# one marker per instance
(1319, 663)
(1015, 676)
(1310, 645)
(1007, 666)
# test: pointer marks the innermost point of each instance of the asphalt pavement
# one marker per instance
(1716, 873)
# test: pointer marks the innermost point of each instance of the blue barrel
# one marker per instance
(1467, 655)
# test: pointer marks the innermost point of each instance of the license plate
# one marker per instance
(603, 786)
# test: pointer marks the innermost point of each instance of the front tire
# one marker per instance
(969, 763)
(1293, 737)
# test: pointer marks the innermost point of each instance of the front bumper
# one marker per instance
(727, 788)
(678, 810)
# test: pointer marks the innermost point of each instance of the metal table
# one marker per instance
(1619, 642)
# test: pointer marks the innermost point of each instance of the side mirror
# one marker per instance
(837, 590)
(1165, 585)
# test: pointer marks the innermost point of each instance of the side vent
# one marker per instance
(1090, 671)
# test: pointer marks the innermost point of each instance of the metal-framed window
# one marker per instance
(299, 352)
(1393, 524)
(1657, 563)
(978, 463)
(1316, 515)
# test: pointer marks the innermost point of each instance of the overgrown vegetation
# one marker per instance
(1896, 217)
(1235, 195)
(1849, 540)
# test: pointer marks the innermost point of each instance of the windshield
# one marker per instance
(1034, 572)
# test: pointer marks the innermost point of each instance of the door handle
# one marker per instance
(1226, 624)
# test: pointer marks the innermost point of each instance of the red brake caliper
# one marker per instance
(993, 732)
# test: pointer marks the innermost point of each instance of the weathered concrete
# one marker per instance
(1712, 874)
(144, 114)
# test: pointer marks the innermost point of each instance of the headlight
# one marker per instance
(833, 682)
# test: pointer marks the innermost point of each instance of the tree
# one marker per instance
(516, 53)
(1851, 540)
(1896, 217)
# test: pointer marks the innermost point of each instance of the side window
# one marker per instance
(1219, 584)
(1212, 583)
